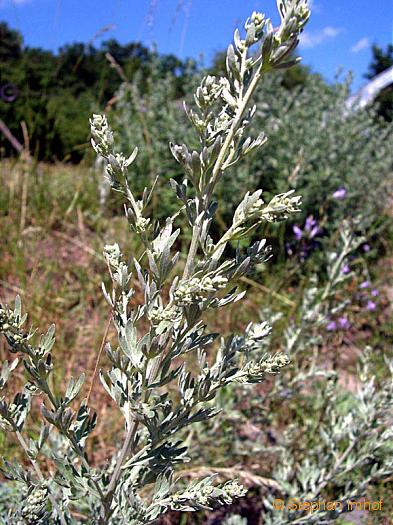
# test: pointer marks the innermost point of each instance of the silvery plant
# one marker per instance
(338, 441)
(150, 380)
(348, 438)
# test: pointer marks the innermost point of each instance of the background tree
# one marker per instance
(58, 91)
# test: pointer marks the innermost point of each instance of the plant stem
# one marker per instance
(192, 252)
(126, 449)
(219, 164)
(336, 466)
(46, 389)
(40, 476)
(99, 356)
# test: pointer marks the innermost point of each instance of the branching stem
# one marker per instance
(217, 170)
(40, 476)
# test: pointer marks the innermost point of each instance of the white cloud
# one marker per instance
(8, 3)
(310, 39)
(363, 43)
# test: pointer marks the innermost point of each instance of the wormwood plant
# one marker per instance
(348, 429)
(138, 484)
(337, 438)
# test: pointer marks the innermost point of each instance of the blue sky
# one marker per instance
(339, 34)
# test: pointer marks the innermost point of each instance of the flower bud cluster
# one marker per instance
(256, 333)
(202, 496)
(8, 320)
(102, 141)
(294, 16)
(10, 324)
(227, 492)
(209, 91)
(34, 507)
(118, 163)
(159, 314)
(196, 290)
(255, 372)
(212, 122)
(113, 254)
(220, 125)
(118, 268)
(102, 135)
(301, 13)
(141, 224)
(257, 19)
(280, 206)
(254, 27)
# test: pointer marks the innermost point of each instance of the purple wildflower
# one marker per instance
(340, 194)
(366, 248)
(371, 306)
(345, 269)
(330, 327)
(374, 293)
(343, 323)
(311, 227)
(310, 223)
(365, 284)
(298, 232)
